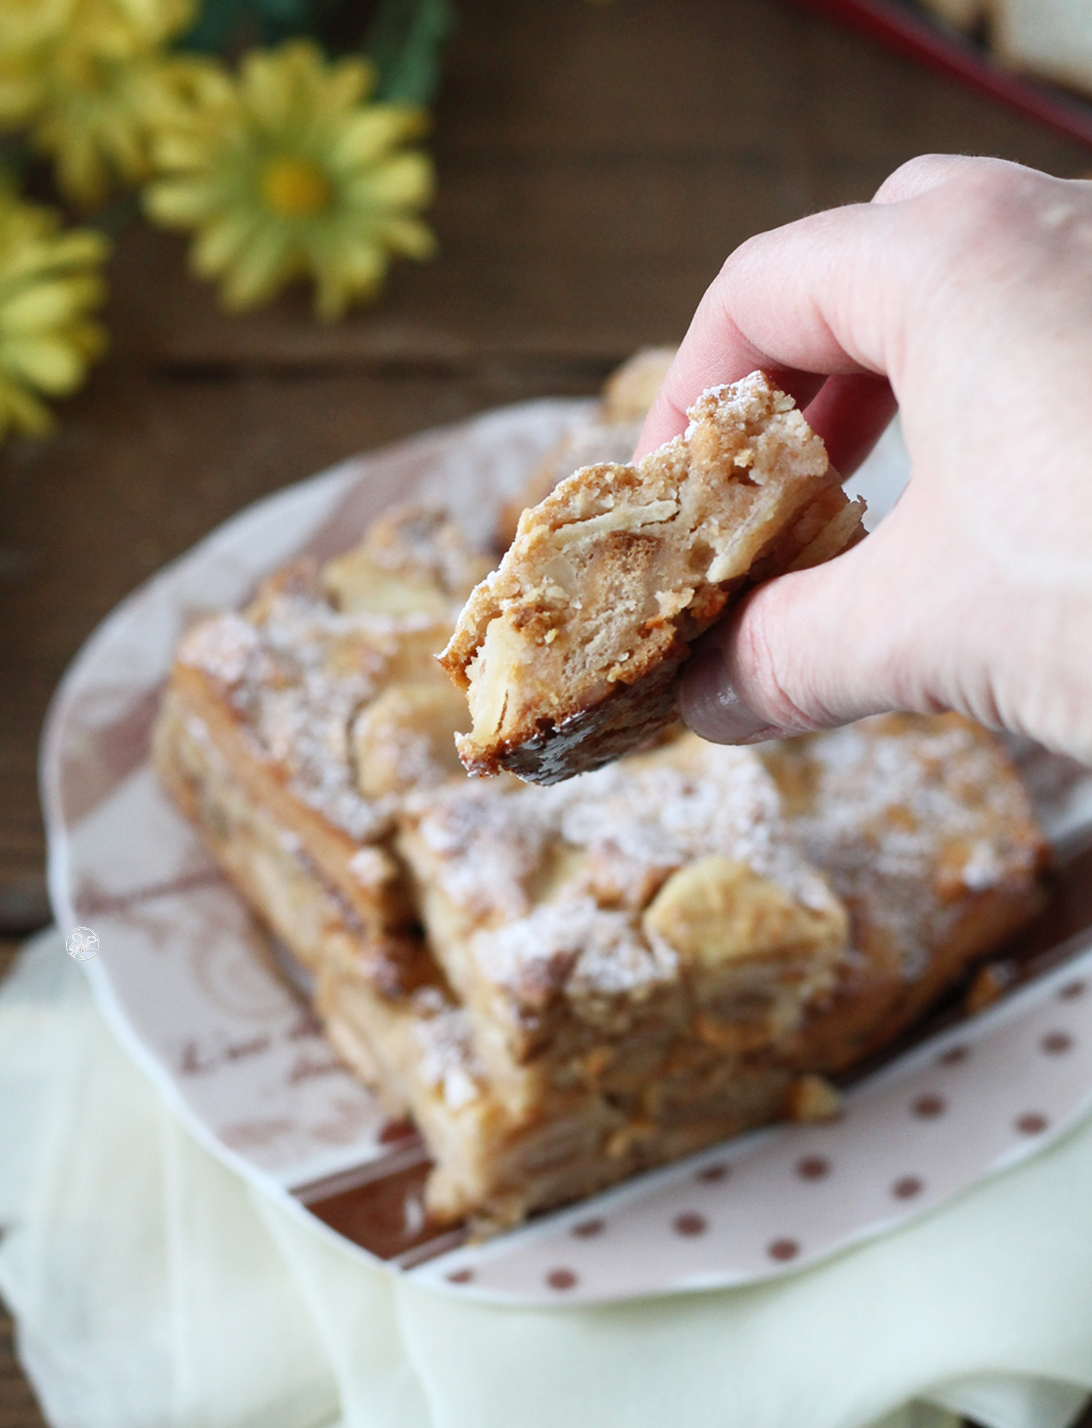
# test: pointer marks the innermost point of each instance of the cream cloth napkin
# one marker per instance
(153, 1287)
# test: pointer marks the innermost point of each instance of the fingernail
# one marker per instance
(710, 706)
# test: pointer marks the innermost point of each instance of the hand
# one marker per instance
(963, 294)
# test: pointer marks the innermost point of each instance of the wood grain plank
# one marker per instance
(596, 164)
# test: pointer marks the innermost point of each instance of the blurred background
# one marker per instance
(591, 166)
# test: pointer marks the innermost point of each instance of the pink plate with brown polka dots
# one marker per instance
(968, 1103)
(193, 990)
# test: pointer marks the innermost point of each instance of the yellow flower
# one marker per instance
(50, 282)
(85, 76)
(287, 172)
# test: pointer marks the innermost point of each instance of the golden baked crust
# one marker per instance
(570, 651)
(536, 1090)
(622, 1081)
(661, 898)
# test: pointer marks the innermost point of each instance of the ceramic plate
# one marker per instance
(192, 988)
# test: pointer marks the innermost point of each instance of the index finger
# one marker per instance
(796, 303)
(816, 304)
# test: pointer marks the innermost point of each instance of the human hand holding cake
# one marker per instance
(964, 294)
(565, 986)
(570, 651)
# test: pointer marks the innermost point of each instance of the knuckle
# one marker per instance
(961, 196)
(991, 189)
(915, 175)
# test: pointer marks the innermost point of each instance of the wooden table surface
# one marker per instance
(596, 164)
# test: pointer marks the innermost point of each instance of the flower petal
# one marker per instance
(221, 243)
(373, 131)
(46, 362)
(180, 203)
(50, 303)
(410, 237)
(261, 271)
(405, 181)
(22, 410)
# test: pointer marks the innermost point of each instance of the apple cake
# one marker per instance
(566, 985)
(570, 652)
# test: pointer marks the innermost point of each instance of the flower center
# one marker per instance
(295, 188)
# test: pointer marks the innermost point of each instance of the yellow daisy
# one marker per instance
(50, 282)
(286, 171)
(84, 76)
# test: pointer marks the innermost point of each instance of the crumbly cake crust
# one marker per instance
(570, 651)
(666, 889)
(926, 833)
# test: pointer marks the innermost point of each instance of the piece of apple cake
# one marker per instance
(570, 651)
(566, 985)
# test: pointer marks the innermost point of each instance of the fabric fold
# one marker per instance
(152, 1286)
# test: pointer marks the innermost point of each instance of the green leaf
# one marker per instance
(406, 40)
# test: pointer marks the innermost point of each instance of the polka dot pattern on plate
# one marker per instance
(588, 1229)
(561, 1279)
(1032, 1123)
(713, 1174)
(954, 1056)
(918, 1133)
(906, 1187)
(690, 1224)
(929, 1106)
(1057, 1043)
(783, 1250)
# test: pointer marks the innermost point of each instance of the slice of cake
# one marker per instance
(662, 898)
(570, 652)
(566, 985)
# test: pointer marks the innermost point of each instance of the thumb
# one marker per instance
(808, 651)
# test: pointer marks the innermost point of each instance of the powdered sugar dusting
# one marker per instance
(448, 1064)
(556, 878)
(593, 951)
(223, 647)
(296, 674)
(908, 816)
(720, 800)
